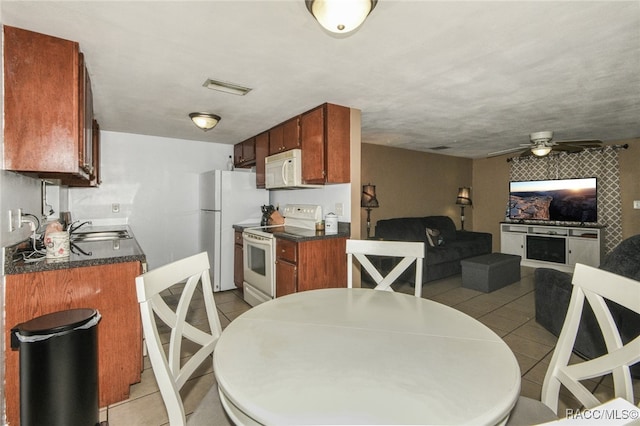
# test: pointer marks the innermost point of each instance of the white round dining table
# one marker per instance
(360, 356)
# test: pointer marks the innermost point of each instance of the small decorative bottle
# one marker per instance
(230, 164)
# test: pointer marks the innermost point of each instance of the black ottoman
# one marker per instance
(490, 272)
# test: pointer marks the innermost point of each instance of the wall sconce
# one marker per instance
(340, 16)
(369, 201)
(463, 200)
(204, 120)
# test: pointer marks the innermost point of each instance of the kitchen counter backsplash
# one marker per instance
(85, 253)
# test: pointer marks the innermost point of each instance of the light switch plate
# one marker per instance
(636, 204)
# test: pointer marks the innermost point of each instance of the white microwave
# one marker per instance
(284, 170)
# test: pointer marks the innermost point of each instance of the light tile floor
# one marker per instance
(508, 311)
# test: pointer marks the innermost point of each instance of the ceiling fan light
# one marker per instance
(204, 120)
(340, 16)
(541, 150)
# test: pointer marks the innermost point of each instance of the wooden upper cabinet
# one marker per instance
(275, 140)
(237, 154)
(96, 152)
(94, 178)
(313, 152)
(86, 153)
(291, 134)
(262, 150)
(285, 136)
(337, 143)
(249, 150)
(244, 153)
(48, 104)
(325, 134)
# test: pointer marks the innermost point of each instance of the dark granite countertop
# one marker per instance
(242, 227)
(300, 234)
(95, 253)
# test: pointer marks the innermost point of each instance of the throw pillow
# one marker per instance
(434, 237)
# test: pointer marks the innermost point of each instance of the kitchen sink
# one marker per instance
(100, 236)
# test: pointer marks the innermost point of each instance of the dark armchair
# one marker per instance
(553, 291)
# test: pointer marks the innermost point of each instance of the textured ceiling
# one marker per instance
(475, 77)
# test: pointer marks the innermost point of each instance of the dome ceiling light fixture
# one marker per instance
(204, 120)
(541, 150)
(340, 16)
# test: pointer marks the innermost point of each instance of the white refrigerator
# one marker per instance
(226, 198)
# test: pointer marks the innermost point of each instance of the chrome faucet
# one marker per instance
(73, 228)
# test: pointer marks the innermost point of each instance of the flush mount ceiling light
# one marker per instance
(222, 86)
(340, 16)
(204, 120)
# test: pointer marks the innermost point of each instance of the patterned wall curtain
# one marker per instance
(601, 163)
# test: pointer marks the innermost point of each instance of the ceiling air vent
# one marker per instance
(222, 86)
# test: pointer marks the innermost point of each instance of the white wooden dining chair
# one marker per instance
(410, 252)
(594, 285)
(171, 371)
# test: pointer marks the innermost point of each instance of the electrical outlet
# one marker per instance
(115, 208)
(339, 209)
(636, 204)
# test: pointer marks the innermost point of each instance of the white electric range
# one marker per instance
(259, 250)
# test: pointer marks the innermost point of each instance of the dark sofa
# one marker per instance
(443, 260)
(553, 291)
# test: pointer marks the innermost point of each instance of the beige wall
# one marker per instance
(411, 183)
(491, 189)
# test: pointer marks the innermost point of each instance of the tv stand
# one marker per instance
(551, 246)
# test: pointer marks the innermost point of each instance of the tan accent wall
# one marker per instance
(411, 183)
(630, 186)
(491, 194)
(356, 165)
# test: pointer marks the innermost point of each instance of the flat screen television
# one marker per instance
(558, 200)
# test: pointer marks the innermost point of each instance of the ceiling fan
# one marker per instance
(542, 144)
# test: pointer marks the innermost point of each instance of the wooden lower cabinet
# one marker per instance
(108, 288)
(310, 265)
(238, 259)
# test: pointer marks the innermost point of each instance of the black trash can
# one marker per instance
(59, 368)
